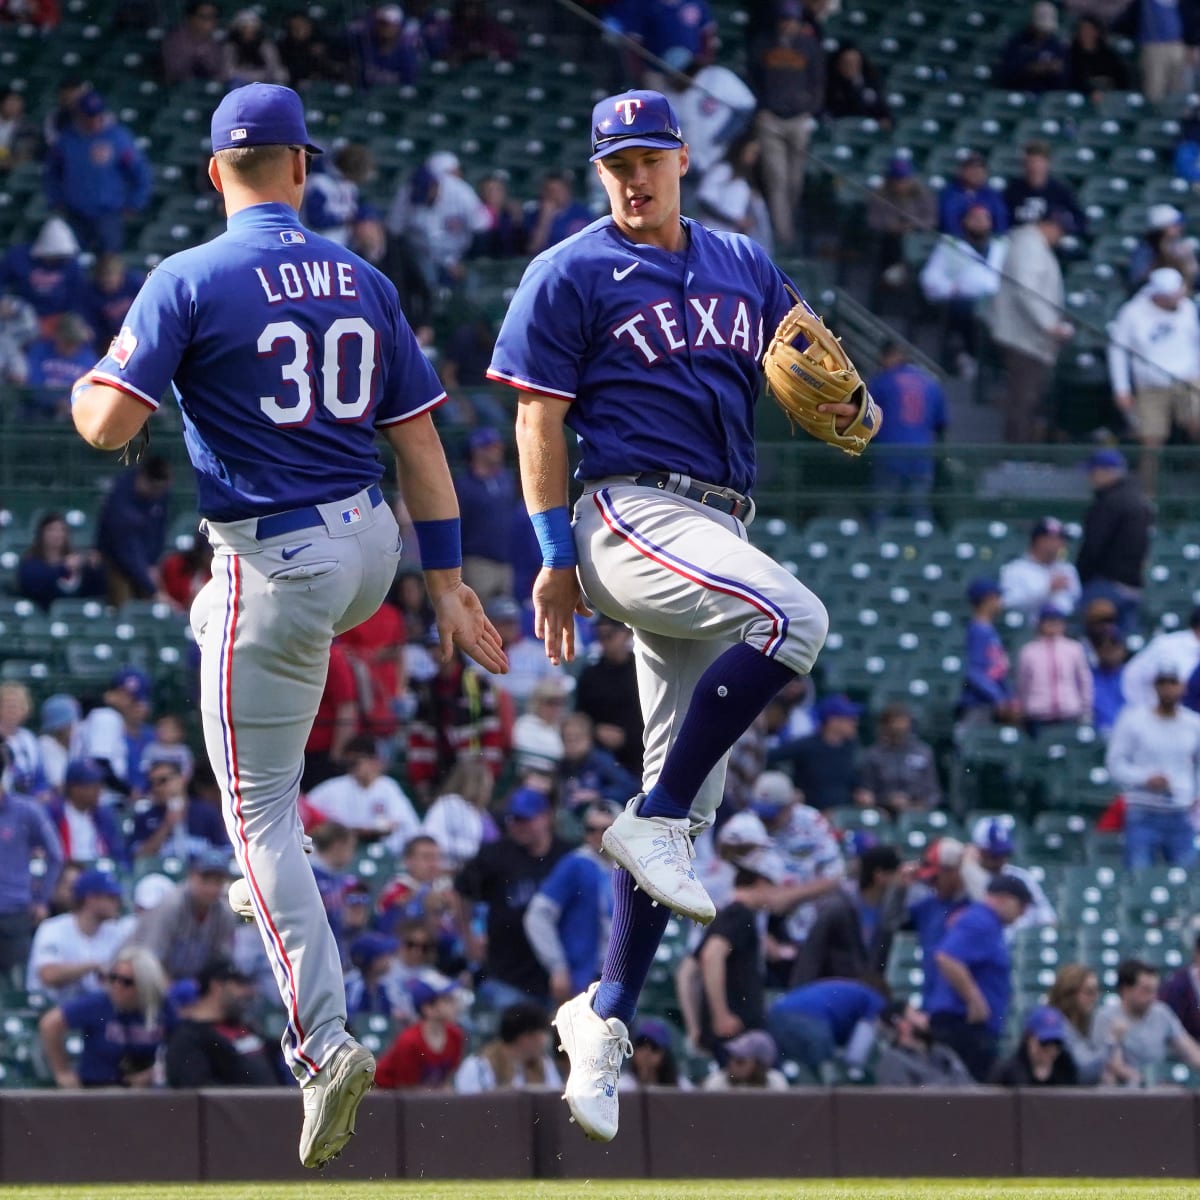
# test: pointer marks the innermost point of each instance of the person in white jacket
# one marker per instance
(1041, 575)
(1178, 652)
(1154, 365)
(1027, 322)
(959, 273)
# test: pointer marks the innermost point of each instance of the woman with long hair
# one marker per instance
(1075, 993)
(52, 569)
(459, 820)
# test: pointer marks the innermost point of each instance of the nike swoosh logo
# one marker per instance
(292, 551)
(621, 274)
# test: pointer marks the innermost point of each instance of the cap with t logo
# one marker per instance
(260, 114)
(634, 119)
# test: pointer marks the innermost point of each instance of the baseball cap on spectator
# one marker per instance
(1106, 457)
(946, 854)
(94, 882)
(59, 711)
(633, 119)
(1048, 527)
(992, 835)
(900, 167)
(1165, 672)
(744, 830)
(978, 590)
(648, 1029)
(1010, 885)
(1044, 17)
(260, 114)
(220, 970)
(1163, 216)
(771, 791)
(182, 993)
(133, 681)
(766, 863)
(755, 1044)
(856, 842)
(1051, 612)
(83, 770)
(443, 162)
(151, 890)
(484, 436)
(91, 104)
(1165, 281)
(837, 706)
(367, 947)
(526, 803)
(423, 993)
(1046, 1024)
(211, 862)
(357, 894)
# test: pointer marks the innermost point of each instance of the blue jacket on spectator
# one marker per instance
(51, 285)
(579, 890)
(977, 940)
(115, 1044)
(110, 840)
(43, 582)
(204, 828)
(94, 173)
(105, 311)
(487, 507)
(841, 1003)
(929, 917)
(596, 772)
(914, 414)
(956, 199)
(987, 681)
(25, 828)
(52, 373)
(132, 530)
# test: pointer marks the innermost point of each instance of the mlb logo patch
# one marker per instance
(237, 135)
(291, 237)
(123, 346)
(351, 516)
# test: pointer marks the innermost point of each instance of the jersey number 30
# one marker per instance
(298, 370)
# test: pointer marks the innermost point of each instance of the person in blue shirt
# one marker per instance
(171, 822)
(914, 417)
(554, 216)
(52, 366)
(107, 297)
(972, 990)
(588, 772)
(131, 532)
(1110, 654)
(987, 686)
(968, 189)
(122, 1027)
(46, 273)
(487, 497)
(567, 920)
(810, 1023)
(935, 902)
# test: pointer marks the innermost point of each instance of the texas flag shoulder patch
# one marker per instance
(123, 346)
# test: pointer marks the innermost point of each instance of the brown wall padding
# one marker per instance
(885, 1132)
(48, 1137)
(705, 1135)
(1146, 1134)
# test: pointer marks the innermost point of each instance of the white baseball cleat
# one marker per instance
(596, 1048)
(331, 1100)
(239, 899)
(658, 853)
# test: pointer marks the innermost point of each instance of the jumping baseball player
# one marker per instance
(286, 353)
(644, 334)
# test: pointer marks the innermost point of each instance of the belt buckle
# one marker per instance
(709, 492)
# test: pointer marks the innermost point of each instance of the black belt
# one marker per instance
(278, 524)
(722, 499)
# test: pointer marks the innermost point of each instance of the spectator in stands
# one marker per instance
(1075, 994)
(1154, 366)
(934, 899)
(18, 327)
(88, 831)
(987, 692)
(749, 1063)
(854, 86)
(1041, 576)
(1154, 757)
(517, 1058)
(459, 819)
(825, 764)
(45, 274)
(114, 734)
(96, 176)
(19, 137)
(389, 51)
(52, 365)
(787, 72)
(1035, 58)
(1178, 652)
(1167, 33)
(428, 1053)
(331, 196)
(486, 493)
(1108, 670)
(960, 273)
(554, 216)
(1036, 193)
(537, 734)
(122, 1027)
(1093, 66)
(1180, 992)
(170, 822)
(667, 30)
(71, 951)
(1111, 560)
(26, 836)
(1042, 1059)
(1054, 681)
(968, 189)
(607, 692)
(504, 876)
(476, 35)
(192, 50)
(59, 725)
(969, 1001)
(989, 856)
(1163, 245)
(423, 891)
(214, 1044)
(653, 1063)
(336, 723)
(909, 1058)
(107, 297)
(27, 773)
(51, 569)
(1145, 1029)
(194, 926)
(730, 195)
(366, 800)
(899, 770)
(169, 745)
(375, 649)
(567, 920)
(811, 1023)
(587, 772)
(131, 530)
(331, 858)
(184, 572)
(505, 235)
(249, 55)
(374, 986)
(914, 417)
(528, 666)
(1027, 322)
(900, 205)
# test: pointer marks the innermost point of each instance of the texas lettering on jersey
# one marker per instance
(723, 321)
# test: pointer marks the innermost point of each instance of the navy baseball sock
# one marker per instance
(730, 694)
(637, 928)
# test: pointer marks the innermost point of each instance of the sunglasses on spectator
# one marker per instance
(411, 944)
(123, 980)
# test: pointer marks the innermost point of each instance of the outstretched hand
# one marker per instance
(462, 623)
(557, 598)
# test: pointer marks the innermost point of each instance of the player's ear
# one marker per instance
(214, 174)
(683, 160)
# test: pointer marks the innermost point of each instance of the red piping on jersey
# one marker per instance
(96, 378)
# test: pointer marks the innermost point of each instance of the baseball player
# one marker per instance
(644, 334)
(286, 353)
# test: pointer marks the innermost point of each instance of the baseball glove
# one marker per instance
(801, 379)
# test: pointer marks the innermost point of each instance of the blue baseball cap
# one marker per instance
(1107, 457)
(485, 435)
(980, 589)
(211, 862)
(654, 1031)
(636, 118)
(993, 836)
(1046, 1024)
(59, 711)
(95, 883)
(261, 114)
(527, 803)
(367, 947)
(83, 770)
(133, 681)
(91, 104)
(423, 993)
(837, 706)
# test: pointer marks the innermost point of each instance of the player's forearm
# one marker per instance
(425, 480)
(542, 449)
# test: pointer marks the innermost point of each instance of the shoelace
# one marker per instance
(680, 845)
(613, 1053)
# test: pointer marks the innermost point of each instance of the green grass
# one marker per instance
(765, 1189)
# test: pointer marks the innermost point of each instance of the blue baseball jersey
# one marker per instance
(657, 352)
(285, 352)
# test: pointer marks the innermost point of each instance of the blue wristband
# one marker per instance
(78, 389)
(440, 544)
(553, 529)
